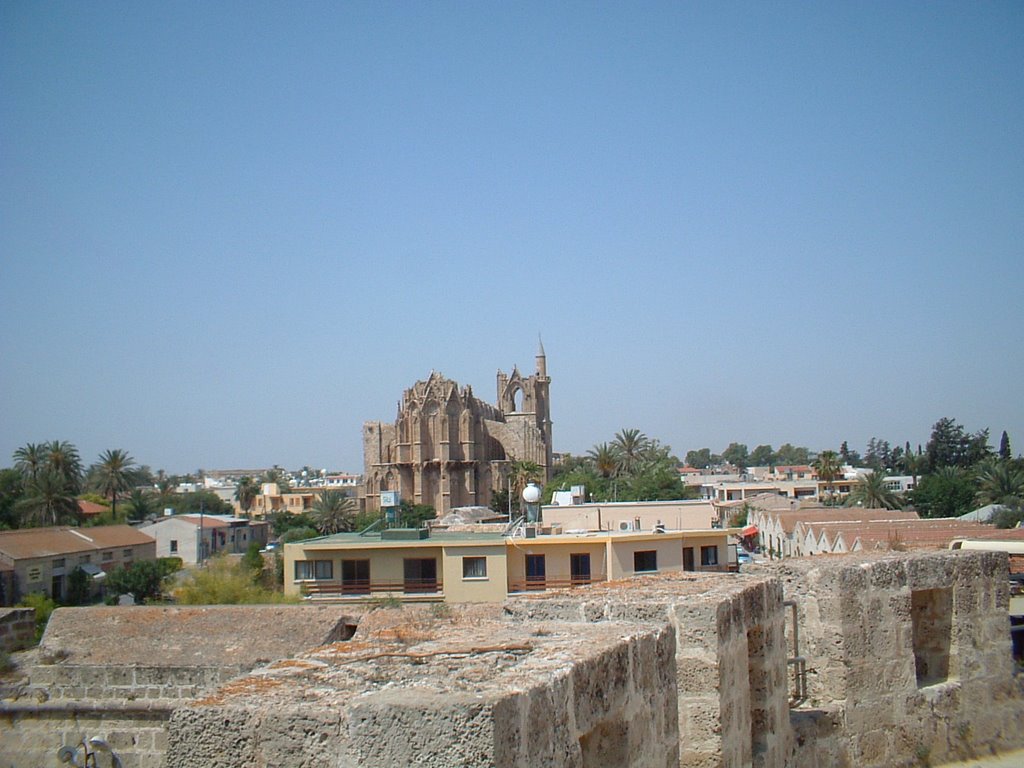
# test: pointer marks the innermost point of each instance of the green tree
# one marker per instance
(79, 588)
(12, 487)
(113, 475)
(333, 512)
(630, 445)
(144, 580)
(279, 476)
(870, 492)
(606, 460)
(30, 460)
(253, 560)
(737, 455)
(43, 605)
(62, 457)
(829, 468)
(47, 501)
(914, 463)
(141, 504)
(415, 515)
(246, 492)
(951, 446)
(1004, 447)
(762, 456)
(792, 455)
(700, 459)
(999, 482)
(949, 492)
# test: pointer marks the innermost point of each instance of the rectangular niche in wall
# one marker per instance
(931, 611)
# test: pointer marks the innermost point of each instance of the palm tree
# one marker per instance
(914, 463)
(30, 460)
(48, 500)
(279, 476)
(62, 457)
(113, 475)
(871, 492)
(828, 468)
(605, 458)
(333, 512)
(631, 446)
(999, 482)
(246, 492)
(140, 504)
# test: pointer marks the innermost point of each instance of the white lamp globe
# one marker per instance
(531, 494)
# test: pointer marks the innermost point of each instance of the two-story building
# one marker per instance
(474, 566)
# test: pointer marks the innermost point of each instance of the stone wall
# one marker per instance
(32, 734)
(17, 628)
(730, 657)
(466, 691)
(908, 659)
(128, 683)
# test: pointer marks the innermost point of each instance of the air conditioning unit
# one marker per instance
(625, 525)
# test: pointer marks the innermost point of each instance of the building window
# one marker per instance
(108, 556)
(58, 563)
(314, 569)
(126, 554)
(709, 555)
(84, 559)
(646, 560)
(474, 567)
(174, 545)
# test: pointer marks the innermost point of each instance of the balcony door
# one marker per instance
(536, 573)
(420, 574)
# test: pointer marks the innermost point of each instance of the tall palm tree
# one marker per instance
(333, 512)
(829, 467)
(48, 501)
(30, 460)
(870, 491)
(999, 482)
(246, 492)
(62, 457)
(631, 445)
(605, 458)
(113, 475)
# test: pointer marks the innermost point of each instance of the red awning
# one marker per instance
(750, 530)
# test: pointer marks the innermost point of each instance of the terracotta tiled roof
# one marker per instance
(28, 543)
(789, 520)
(915, 534)
(90, 508)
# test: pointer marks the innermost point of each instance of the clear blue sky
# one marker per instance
(232, 232)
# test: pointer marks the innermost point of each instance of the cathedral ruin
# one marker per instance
(447, 448)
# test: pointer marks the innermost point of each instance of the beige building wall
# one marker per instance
(487, 589)
(669, 552)
(557, 557)
(674, 515)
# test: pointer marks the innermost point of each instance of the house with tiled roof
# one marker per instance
(42, 559)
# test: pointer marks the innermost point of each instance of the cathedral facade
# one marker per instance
(448, 448)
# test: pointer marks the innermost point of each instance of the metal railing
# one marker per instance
(363, 587)
(535, 584)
